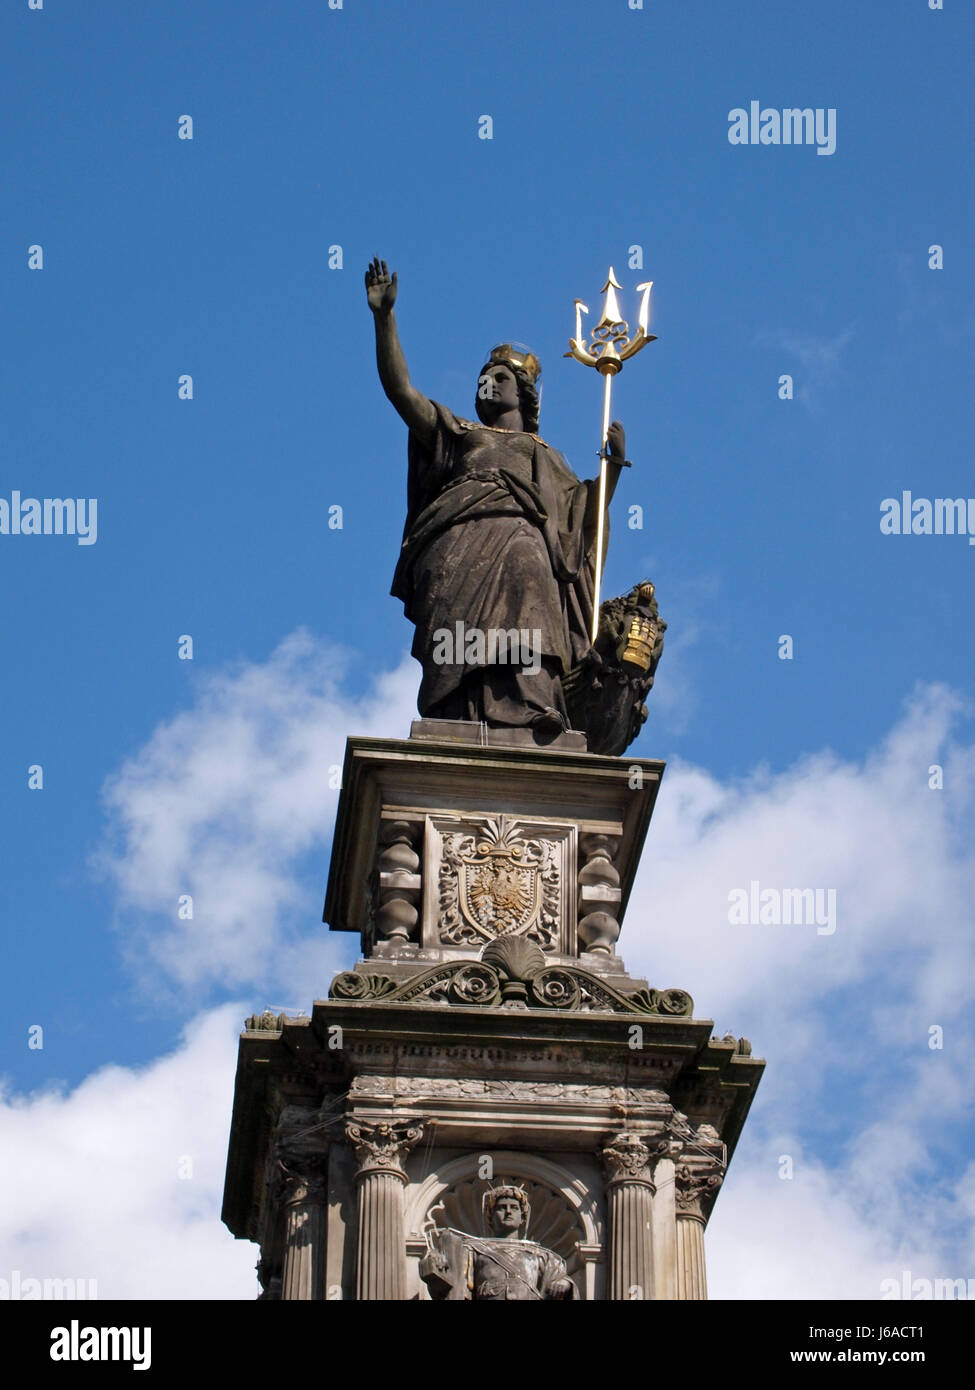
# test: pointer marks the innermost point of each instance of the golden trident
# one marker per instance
(609, 349)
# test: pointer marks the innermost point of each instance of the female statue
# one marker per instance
(500, 538)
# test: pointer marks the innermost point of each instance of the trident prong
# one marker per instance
(644, 316)
(609, 347)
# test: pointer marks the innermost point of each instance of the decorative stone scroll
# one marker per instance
(513, 973)
(267, 1022)
(381, 1147)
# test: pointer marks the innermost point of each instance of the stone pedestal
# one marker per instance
(490, 1035)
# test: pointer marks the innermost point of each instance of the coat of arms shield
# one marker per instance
(500, 886)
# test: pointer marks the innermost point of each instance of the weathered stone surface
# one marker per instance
(501, 1266)
(491, 1035)
(501, 980)
(425, 869)
(541, 1093)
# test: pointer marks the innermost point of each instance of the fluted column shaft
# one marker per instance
(691, 1276)
(380, 1244)
(631, 1249)
(381, 1253)
(303, 1195)
(627, 1161)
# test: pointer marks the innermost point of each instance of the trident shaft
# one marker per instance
(608, 349)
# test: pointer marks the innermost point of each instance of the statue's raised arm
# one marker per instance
(411, 405)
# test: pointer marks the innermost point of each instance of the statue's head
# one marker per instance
(507, 382)
(507, 1210)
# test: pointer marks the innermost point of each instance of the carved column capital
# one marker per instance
(628, 1157)
(298, 1178)
(382, 1146)
(697, 1178)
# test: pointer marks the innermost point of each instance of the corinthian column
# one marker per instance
(696, 1181)
(629, 1192)
(301, 1192)
(381, 1247)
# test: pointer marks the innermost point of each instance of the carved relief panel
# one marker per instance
(489, 877)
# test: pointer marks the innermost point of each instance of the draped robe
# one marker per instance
(496, 537)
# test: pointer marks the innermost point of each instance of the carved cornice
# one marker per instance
(382, 1147)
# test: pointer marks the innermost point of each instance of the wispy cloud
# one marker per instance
(819, 358)
(222, 803)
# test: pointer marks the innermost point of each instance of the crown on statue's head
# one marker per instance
(517, 355)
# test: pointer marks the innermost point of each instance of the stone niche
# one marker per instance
(490, 1035)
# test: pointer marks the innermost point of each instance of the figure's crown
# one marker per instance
(517, 355)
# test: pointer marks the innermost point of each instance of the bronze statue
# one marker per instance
(504, 1268)
(497, 565)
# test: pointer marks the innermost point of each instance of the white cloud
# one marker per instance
(96, 1173)
(844, 1018)
(223, 801)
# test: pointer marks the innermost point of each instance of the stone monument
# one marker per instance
(488, 1105)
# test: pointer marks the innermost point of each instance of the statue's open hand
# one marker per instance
(616, 440)
(380, 287)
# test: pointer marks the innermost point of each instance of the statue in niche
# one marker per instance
(496, 569)
(501, 1267)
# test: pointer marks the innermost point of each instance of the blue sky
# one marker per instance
(359, 128)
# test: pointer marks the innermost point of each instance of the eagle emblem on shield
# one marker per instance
(500, 882)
